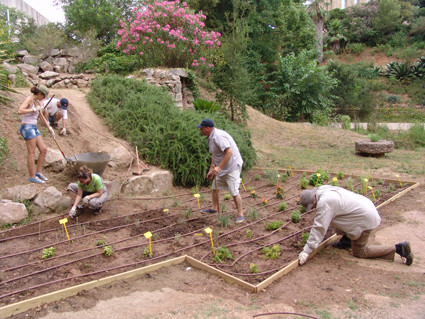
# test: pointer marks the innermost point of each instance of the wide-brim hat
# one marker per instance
(43, 89)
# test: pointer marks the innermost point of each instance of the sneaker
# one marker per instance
(41, 176)
(35, 180)
(63, 132)
(209, 211)
(97, 211)
(343, 243)
(404, 250)
(240, 219)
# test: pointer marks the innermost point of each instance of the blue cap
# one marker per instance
(206, 123)
(64, 103)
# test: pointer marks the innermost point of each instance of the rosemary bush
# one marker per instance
(146, 116)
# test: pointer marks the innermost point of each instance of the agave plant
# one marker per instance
(401, 71)
(419, 67)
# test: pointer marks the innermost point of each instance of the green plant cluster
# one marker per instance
(404, 71)
(108, 251)
(206, 106)
(222, 254)
(272, 252)
(296, 216)
(274, 225)
(146, 116)
(111, 63)
(317, 182)
(48, 252)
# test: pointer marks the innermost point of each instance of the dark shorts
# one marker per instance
(29, 131)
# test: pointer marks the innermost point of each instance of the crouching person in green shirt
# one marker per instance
(90, 188)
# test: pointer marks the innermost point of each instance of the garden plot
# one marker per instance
(38, 258)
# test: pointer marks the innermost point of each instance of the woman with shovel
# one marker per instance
(30, 112)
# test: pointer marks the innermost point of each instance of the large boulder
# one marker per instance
(27, 68)
(20, 192)
(11, 212)
(378, 148)
(51, 200)
(149, 183)
(120, 157)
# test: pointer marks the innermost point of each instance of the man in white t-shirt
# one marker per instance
(55, 111)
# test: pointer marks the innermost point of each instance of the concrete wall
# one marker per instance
(27, 9)
(342, 4)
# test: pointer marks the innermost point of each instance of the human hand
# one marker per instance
(52, 131)
(37, 108)
(86, 200)
(72, 212)
(302, 258)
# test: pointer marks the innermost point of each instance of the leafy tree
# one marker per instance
(44, 39)
(299, 88)
(103, 16)
(361, 19)
(319, 16)
(170, 34)
(295, 28)
(335, 35)
(389, 16)
(418, 29)
(231, 75)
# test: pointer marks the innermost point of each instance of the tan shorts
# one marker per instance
(229, 182)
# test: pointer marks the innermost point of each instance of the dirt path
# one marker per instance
(331, 285)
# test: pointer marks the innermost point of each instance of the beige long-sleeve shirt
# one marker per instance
(347, 211)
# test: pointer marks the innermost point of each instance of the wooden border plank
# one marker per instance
(291, 266)
(229, 278)
(398, 195)
(25, 305)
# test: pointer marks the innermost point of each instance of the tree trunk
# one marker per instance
(319, 37)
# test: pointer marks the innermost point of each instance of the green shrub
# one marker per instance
(295, 216)
(356, 48)
(282, 206)
(206, 106)
(346, 122)
(108, 251)
(317, 180)
(146, 116)
(4, 150)
(253, 213)
(111, 63)
(402, 71)
(274, 225)
(393, 99)
(48, 252)
(375, 138)
(272, 252)
(222, 254)
(304, 183)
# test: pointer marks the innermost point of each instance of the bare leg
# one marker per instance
(238, 201)
(31, 146)
(43, 151)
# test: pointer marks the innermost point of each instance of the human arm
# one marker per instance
(216, 169)
(27, 107)
(77, 198)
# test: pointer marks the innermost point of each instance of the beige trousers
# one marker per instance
(361, 249)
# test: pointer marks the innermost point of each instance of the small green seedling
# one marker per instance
(282, 206)
(187, 213)
(349, 184)
(274, 225)
(253, 194)
(248, 234)
(108, 251)
(100, 242)
(147, 252)
(48, 252)
(227, 196)
(296, 216)
(224, 220)
(222, 254)
(304, 237)
(272, 252)
(257, 177)
(253, 268)
(250, 188)
(340, 175)
(253, 213)
(304, 182)
(391, 187)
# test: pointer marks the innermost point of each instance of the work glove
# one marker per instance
(72, 212)
(86, 200)
(52, 131)
(37, 108)
(302, 258)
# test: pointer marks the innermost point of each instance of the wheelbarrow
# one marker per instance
(95, 161)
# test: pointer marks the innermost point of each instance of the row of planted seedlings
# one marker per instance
(151, 236)
(61, 261)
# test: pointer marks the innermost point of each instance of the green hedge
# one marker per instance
(146, 116)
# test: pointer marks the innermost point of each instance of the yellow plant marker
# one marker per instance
(149, 235)
(374, 198)
(243, 185)
(198, 234)
(401, 185)
(209, 231)
(335, 179)
(290, 168)
(63, 222)
(165, 210)
(318, 176)
(366, 180)
(197, 197)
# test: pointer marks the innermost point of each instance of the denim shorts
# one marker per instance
(29, 131)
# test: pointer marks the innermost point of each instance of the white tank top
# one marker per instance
(30, 118)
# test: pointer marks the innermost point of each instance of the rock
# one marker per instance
(27, 68)
(22, 53)
(152, 182)
(11, 69)
(54, 159)
(378, 148)
(51, 200)
(11, 212)
(30, 59)
(20, 192)
(120, 157)
(48, 75)
(54, 52)
(179, 72)
(45, 66)
(113, 188)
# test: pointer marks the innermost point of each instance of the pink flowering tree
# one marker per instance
(169, 34)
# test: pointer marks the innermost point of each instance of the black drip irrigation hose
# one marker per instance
(284, 313)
